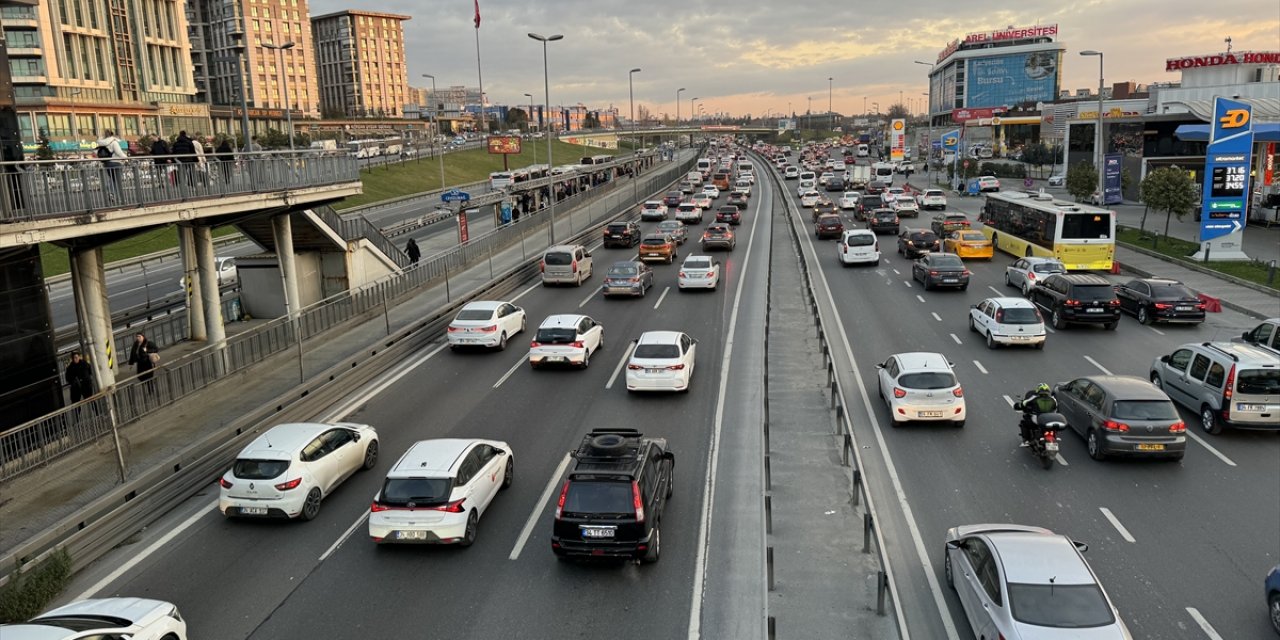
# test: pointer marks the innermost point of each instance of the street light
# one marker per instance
(631, 93)
(678, 116)
(1097, 134)
(435, 113)
(546, 87)
(238, 45)
(530, 122)
(830, 113)
(288, 109)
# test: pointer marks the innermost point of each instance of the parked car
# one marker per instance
(1071, 298)
(921, 386)
(1122, 415)
(913, 243)
(858, 246)
(485, 323)
(629, 277)
(1266, 335)
(1160, 300)
(1031, 271)
(935, 270)
(1057, 180)
(1008, 322)
(718, 236)
(1228, 384)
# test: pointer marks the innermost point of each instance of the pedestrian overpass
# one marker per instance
(609, 138)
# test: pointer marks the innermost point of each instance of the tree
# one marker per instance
(517, 118)
(1082, 180)
(898, 111)
(1169, 190)
(44, 151)
(591, 121)
(1037, 155)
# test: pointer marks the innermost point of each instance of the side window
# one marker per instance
(1020, 264)
(1216, 376)
(336, 438)
(685, 343)
(468, 467)
(314, 449)
(977, 552)
(893, 368)
(1077, 388)
(989, 576)
(1262, 334)
(1095, 396)
(1199, 367)
(1179, 359)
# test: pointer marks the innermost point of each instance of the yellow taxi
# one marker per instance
(967, 243)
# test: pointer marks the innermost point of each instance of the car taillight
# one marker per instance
(574, 265)
(1072, 303)
(534, 344)
(1231, 382)
(453, 329)
(899, 393)
(675, 367)
(1115, 302)
(542, 266)
(1031, 275)
(682, 275)
(451, 507)
(1200, 306)
(1163, 305)
(958, 392)
(1112, 425)
(634, 367)
(637, 501)
(564, 491)
(292, 484)
(378, 506)
(965, 272)
(224, 483)
(577, 344)
(489, 329)
(1178, 427)
(1000, 316)
(933, 272)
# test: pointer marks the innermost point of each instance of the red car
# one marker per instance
(828, 226)
(672, 198)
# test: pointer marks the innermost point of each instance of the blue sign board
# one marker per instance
(1226, 170)
(505, 214)
(951, 140)
(1111, 186)
(1012, 79)
(454, 195)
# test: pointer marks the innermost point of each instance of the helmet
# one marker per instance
(1042, 389)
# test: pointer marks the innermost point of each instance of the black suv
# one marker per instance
(611, 505)
(1079, 298)
(622, 234)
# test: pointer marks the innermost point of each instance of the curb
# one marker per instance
(1226, 303)
(1195, 267)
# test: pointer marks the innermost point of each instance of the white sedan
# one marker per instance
(290, 468)
(850, 200)
(137, 618)
(1057, 180)
(699, 272)
(485, 323)
(809, 198)
(712, 191)
(661, 361)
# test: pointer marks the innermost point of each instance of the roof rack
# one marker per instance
(1210, 345)
(609, 445)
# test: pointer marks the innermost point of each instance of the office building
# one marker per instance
(361, 63)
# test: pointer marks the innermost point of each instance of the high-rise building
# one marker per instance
(82, 66)
(360, 56)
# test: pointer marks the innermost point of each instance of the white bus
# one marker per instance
(365, 148)
(501, 179)
(1035, 224)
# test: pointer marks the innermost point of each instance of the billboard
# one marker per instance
(1012, 79)
(1226, 169)
(897, 139)
(1111, 174)
(786, 124)
(509, 145)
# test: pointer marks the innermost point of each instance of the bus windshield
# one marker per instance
(1086, 226)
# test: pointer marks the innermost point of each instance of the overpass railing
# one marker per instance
(39, 189)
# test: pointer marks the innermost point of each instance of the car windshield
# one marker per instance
(1175, 291)
(599, 498)
(623, 271)
(475, 314)
(558, 258)
(556, 335)
(421, 492)
(1019, 315)
(1093, 292)
(860, 240)
(1086, 226)
(1144, 410)
(1073, 606)
(250, 469)
(697, 264)
(1258, 381)
(1049, 267)
(927, 380)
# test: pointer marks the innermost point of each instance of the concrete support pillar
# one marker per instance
(215, 331)
(195, 301)
(89, 284)
(282, 230)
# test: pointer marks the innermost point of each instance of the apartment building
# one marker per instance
(361, 62)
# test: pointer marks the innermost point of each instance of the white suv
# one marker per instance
(921, 386)
(437, 491)
(290, 468)
(661, 361)
(566, 339)
(858, 246)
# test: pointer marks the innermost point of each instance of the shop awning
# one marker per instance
(1263, 132)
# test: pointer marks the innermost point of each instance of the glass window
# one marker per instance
(422, 492)
(1144, 410)
(1258, 381)
(1179, 359)
(1199, 367)
(600, 498)
(1216, 376)
(248, 469)
(130, 125)
(928, 380)
(1074, 606)
(1086, 226)
(656, 351)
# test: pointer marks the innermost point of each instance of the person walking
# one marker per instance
(201, 168)
(112, 154)
(254, 162)
(160, 158)
(144, 356)
(411, 249)
(184, 151)
(79, 378)
(226, 157)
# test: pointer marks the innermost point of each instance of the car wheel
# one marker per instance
(1209, 420)
(1095, 446)
(655, 548)
(671, 485)
(1007, 282)
(509, 475)
(469, 537)
(971, 326)
(522, 325)
(311, 508)
(1155, 381)
(578, 280)
(371, 455)
(946, 570)
(1026, 290)
(1144, 317)
(502, 342)
(1273, 605)
(991, 342)
(1057, 320)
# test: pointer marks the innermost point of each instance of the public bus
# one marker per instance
(603, 159)
(1035, 224)
(365, 148)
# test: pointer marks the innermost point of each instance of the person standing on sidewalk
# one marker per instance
(144, 356)
(226, 157)
(79, 378)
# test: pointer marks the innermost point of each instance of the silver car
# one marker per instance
(1023, 583)
(1029, 272)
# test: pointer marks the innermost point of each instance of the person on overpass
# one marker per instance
(411, 249)
(144, 356)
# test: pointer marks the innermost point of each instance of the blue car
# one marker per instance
(1272, 587)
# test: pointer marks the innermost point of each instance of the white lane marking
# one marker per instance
(907, 282)
(980, 367)
(618, 369)
(1115, 522)
(1212, 450)
(537, 508)
(936, 316)
(526, 291)
(152, 548)
(590, 296)
(897, 272)
(1158, 332)
(345, 534)
(956, 338)
(709, 486)
(511, 371)
(1061, 460)
(1099, 366)
(389, 379)
(919, 297)
(661, 297)
(1009, 400)
(1204, 624)
(998, 292)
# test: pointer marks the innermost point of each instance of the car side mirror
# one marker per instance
(1164, 359)
(879, 366)
(973, 306)
(1247, 336)
(1081, 546)
(953, 544)
(355, 436)
(587, 254)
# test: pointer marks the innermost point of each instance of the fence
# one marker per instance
(38, 442)
(52, 188)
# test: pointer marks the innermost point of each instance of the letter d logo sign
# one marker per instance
(1235, 118)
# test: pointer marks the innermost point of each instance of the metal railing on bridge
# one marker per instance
(41, 189)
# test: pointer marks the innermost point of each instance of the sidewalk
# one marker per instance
(1246, 300)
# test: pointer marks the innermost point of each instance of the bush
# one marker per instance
(29, 592)
(1003, 170)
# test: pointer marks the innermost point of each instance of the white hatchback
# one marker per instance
(791, 173)
(712, 191)
(809, 198)
(850, 200)
(921, 386)
(485, 323)
(661, 361)
(437, 491)
(858, 246)
(699, 272)
(100, 618)
(1007, 321)
(566, 339)
(290, 468)
(1027, 273)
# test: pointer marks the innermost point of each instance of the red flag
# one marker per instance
(477, 14)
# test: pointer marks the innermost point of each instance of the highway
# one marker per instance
(1181, 547)
(325, 578)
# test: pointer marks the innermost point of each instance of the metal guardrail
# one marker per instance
(42, 189)
(358, 226)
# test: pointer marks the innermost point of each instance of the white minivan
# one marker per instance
(858, 246)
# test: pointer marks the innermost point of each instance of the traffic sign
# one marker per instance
(454, 195)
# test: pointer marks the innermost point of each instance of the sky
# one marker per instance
(768, 56)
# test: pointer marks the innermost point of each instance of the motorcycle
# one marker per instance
(1045, 444)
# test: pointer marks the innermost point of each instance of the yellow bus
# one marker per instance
(1035, 224)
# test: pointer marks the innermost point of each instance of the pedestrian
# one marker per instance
(112, 154)
(79, 378)
(202, 168)
(144, 356)
(226, 157)
(184, 151)
(254, 163)
(411, 249)
(160, 158)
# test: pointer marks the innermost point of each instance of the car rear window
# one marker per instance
(697, 264)
(1144, 410)
(623, 271)
(860, 240)
(885, 215)
(1049, 267)
(475, 314)
(655, 241)
(1258, 381)
(946, 262)
(924, 236)
(932, 192)
(619, 227)
(599, 498)
(927, 380)
(656, 351)
(717, 231)
(674, 194)
(422, 492)
(250, 469)
(1019, 315)
(1171, 291)
(558, 258)
(972, 236)
(1093, 292)
(556, 335)
(688, 206)
(1072, 606)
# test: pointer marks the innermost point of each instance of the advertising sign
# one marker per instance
(1111, 187)
(1218, 60)
(504, 213)
(965, 115)
(897, 139)
(1039, 31)
(951, 140)
(506, 145)
(1269, 166)
(786, 124)
(1226, 169)
(1012, 79)
(463, 236)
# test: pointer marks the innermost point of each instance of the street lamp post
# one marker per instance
(631, 96)
(830, 113)
(288, 109)
(546, 87)
(530, 122)
(435, 114)
(1097, 134)
(237, 38)
(678, 115)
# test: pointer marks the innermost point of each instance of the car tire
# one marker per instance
(502, 342)
(469, 536)
(1026, 290)
(311, 508)
(1273, 607)
(1007, 282)
(1156, 382)
(991, 342)
(522, 325)
(654, 553)
(1144, 316)
(370, 456)
(671, 485)
(1058, 322)
(971, 325)
(1094, 443)
(947, 571)
(1209, 420)
(509, 475)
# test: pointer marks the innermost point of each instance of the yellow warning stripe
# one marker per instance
(111, 361)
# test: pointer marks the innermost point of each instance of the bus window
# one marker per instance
(1086, 226)
(501, 179)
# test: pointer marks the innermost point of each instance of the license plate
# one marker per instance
(554, 358)
(1150, 447)
(1093, 310)
(253, 511)
(1183, 308)
(1250, 407)
(930, 414)
(411, 535)
(949, 281)
(1020, 338)
(653, 255)
(1051, 447)
(597, 532)
(653, 370)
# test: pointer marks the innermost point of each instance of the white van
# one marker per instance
(863, 151)
(566, 263)
(501, 179)
(704, 166)
(746, 171)
(882, 172)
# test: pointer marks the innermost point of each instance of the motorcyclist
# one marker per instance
(1035, 402)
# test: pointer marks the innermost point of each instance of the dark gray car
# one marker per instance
(628, 278)
(1122, 415)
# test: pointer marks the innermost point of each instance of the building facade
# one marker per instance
(361, 63)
